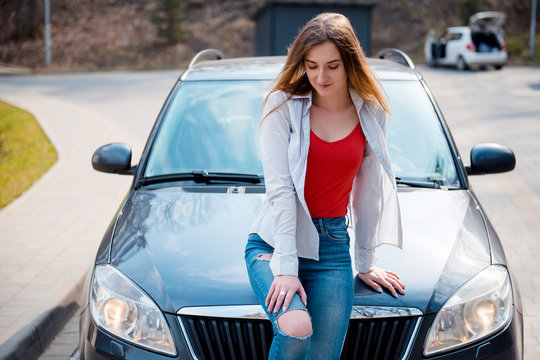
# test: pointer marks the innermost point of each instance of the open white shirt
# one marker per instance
(284, 221)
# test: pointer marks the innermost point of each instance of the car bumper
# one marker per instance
(507, 344)
(487, 58)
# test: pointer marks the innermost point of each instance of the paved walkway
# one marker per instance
(65, 345)
(50, 234)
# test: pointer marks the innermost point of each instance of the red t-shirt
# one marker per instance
(331, 167)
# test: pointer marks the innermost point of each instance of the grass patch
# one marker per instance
(25, 152)
(518, 48)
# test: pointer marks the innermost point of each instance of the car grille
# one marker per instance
(378, 338)
(226, 338)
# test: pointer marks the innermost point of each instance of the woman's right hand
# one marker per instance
(282, 291)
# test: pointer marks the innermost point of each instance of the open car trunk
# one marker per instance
(484, 27)
(487, 20)
(485, 41)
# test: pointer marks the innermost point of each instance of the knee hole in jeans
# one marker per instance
(264, 257)
(295, 323)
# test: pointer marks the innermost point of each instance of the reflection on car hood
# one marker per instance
(186, 248)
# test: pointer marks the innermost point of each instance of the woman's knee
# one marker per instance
(295, 323)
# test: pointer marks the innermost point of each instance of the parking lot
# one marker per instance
(87, 110)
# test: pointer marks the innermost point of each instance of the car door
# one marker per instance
(454, 46)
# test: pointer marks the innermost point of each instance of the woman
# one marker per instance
(323, 146)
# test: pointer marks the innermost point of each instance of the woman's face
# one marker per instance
(325, 69)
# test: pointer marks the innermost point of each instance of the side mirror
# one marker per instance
(491, 158)
(113, 158)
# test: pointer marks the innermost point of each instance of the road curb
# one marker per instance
(32, 340)
(7, 70)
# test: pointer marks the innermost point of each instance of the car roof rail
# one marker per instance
(207, 52)
(396, 55)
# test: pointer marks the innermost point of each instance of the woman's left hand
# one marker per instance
(377, 277)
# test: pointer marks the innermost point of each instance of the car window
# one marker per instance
(213, 126)
(454, 36)
(418, 147)
(449, 36)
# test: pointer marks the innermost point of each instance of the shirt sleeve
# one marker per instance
(365, 257)
(365, 261)
(280, 190)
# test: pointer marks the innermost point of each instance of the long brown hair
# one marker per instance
(336, 28)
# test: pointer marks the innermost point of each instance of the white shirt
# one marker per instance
(284, 221)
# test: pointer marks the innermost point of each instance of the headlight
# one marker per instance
(479, 308)
(120, 307)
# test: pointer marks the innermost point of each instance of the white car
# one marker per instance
(479, 44)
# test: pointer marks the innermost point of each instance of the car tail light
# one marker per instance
(503, 46)
(471, 47)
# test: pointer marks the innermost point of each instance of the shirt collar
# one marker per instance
(307, 96)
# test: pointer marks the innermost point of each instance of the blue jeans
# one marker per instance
(329, 287)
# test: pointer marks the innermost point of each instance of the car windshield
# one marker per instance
(213, 126)
(418, 147)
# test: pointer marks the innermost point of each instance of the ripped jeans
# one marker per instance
(329, 287)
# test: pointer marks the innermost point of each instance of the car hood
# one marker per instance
(185, 246)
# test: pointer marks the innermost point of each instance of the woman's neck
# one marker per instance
(337, 102)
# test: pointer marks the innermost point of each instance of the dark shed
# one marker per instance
(279, 21)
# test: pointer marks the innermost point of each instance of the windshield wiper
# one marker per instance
(202, 176)
(418, 183)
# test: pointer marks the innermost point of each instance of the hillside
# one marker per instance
(104, 34)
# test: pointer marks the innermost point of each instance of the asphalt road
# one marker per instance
(480, 106)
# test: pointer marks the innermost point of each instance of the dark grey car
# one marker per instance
(169, 279)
